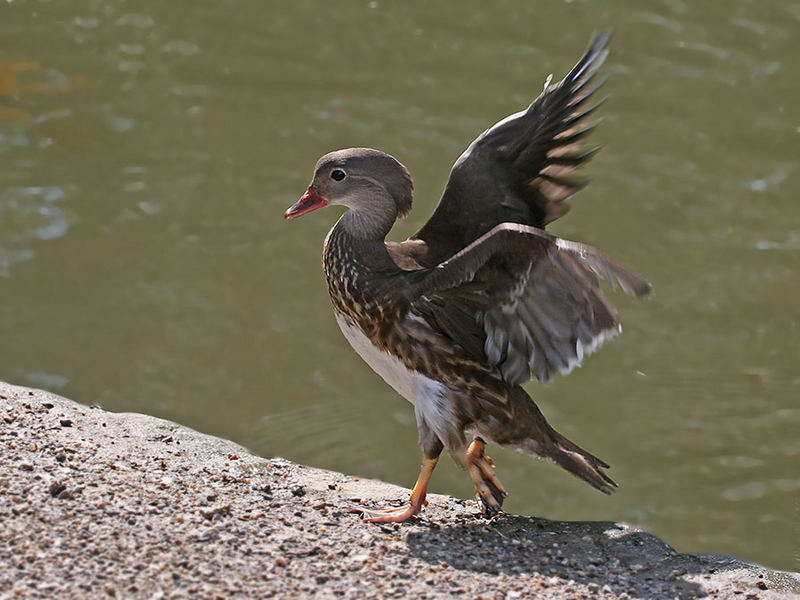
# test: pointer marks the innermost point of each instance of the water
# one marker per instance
(148, 150)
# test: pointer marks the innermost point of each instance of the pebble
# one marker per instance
(56, 487)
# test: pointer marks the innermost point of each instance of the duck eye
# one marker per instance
(338, 174)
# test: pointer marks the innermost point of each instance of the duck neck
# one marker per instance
(372, 225)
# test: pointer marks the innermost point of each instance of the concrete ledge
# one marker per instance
(96, 504)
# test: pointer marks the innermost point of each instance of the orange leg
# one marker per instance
(414, 504)
(488, 488)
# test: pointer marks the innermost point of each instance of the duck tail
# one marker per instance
(542, 440)
(581, 463)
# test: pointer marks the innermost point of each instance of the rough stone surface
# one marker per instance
(101, 505)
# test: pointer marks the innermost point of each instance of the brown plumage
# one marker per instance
(481, 299)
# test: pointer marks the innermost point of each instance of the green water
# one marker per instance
(148, 150)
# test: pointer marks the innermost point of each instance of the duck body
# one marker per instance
(422, 364)
(453, 392)
(482, 298)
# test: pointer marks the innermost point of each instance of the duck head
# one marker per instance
(374, 186)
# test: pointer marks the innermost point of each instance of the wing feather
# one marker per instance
(521, 169)
(513, 296)
(523, 301)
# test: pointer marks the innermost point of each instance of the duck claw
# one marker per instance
(488, 489)
(397, 514)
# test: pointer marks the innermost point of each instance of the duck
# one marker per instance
(482, 298)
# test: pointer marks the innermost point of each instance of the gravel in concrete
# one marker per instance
(101, 505)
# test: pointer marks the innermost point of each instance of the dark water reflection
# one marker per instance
(148, 150)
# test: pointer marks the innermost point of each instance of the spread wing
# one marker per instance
(520, 170)
(523, 300)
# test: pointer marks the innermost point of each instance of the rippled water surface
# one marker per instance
(148, 149)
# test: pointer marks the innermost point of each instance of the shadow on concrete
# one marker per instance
(604, 553)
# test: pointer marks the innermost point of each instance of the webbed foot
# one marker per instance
(488, 488)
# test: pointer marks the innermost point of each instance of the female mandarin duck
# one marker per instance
(460, 315)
